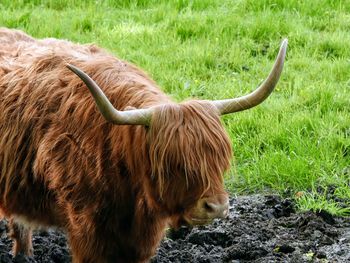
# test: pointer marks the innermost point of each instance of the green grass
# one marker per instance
(298, 140)
(316, 202)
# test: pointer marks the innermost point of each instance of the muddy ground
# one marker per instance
(259, 229)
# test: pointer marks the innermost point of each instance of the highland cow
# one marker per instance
(113, 176)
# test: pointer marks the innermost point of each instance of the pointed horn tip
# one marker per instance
(70, 66)
(81, 74)
(284, 44)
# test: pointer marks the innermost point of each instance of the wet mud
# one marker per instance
(259, 229)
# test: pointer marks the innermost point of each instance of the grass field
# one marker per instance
(298, 142)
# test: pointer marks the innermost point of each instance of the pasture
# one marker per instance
(297, 143)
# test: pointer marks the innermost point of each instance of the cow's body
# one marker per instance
(63, 165)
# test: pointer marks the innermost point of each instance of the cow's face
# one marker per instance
(189, 152)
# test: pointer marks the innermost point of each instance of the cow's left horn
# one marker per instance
(258, 95)
(128, 117)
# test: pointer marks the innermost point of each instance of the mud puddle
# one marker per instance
(259, 229)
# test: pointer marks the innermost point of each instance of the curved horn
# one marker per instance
(128, 117)
(258, 95)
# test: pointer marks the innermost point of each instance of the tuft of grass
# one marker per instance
(298, 140)
(317, 203)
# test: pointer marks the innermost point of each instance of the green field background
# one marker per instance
(297, 143)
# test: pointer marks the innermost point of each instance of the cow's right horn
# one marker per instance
(128, 117)
(261, 93)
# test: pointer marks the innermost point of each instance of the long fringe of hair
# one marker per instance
(188, 138)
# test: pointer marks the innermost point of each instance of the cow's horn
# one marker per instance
(128, 117)
(258, 95)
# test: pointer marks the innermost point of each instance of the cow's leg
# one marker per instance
(89, 255)
(89, 248)
(22, 238)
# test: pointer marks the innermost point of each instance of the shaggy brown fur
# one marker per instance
(113, 188)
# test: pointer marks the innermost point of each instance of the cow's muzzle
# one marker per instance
(207, 209)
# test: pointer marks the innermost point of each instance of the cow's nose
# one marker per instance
(216, 208)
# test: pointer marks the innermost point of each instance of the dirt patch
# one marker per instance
(259, 229)
(262, 229)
